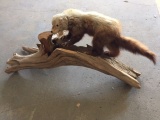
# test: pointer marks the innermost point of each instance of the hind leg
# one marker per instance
(97, 45)
(113, 50)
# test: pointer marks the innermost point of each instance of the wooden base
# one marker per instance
(38, 58)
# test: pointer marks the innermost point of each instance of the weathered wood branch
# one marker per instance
(72, 56)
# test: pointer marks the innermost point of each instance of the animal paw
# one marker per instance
(107, 53)
(65, 44)
(88, 53)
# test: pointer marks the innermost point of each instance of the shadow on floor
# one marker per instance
(28, 99)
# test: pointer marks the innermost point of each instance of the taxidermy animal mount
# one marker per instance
(57, 46)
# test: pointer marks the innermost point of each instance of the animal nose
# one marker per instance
(51, 32)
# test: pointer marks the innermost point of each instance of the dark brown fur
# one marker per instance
(112, 42)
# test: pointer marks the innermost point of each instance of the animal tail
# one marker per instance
(136, 47)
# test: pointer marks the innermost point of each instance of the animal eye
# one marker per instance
(57, 25)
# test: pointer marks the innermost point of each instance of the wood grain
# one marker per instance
(74, 55)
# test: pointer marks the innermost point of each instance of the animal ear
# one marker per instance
(65, 18)
(61, 20)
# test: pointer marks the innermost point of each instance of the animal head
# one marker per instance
(59, 23)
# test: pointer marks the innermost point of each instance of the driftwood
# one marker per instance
(39, 58)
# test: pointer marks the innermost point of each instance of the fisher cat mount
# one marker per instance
(50, 55)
